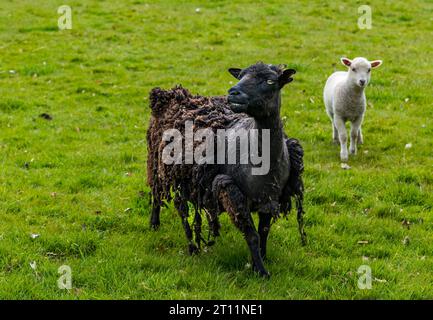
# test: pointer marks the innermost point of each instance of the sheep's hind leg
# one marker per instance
(300, 217)
(182, 208)
(214, 226)
(197, 228)
(264, 228)
(235, 204)
(360, 137)
(335, 134)
(334, 128)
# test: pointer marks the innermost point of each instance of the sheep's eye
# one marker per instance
(270, 81)
(353, 69)
(369, 70)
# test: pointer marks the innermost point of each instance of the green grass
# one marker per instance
(66, 179)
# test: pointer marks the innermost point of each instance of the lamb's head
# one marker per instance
(360, 70)
(258, 91)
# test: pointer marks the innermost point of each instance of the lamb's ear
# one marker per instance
(375, 63)
(346, 62)
(286, 77)
(235, 72)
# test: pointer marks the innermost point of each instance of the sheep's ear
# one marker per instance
(376, 63)
(346, 62)
(286, 77)
(235, 72)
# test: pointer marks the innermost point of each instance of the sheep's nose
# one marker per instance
(361, 82)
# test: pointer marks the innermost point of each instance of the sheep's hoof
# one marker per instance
(192, 249)
(261, 272)
(353, 152)
(265, 274)
(344, 157)
(154, 225)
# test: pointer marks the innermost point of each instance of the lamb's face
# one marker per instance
(257, 92)
(360, 70)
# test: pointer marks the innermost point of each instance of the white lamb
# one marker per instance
(344, 99)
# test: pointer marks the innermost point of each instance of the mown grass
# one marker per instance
(78, 180)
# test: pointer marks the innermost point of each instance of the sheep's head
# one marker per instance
(258, 91)
(360, 70)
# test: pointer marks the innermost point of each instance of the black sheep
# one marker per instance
(253, 103)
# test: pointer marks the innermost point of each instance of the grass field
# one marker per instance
(77, 181)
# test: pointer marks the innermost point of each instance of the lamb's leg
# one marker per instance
(154, 218)
(342, 135)
(334, 129)
(182, 208)
(235, 204)
(264, 228)
(354, 131)
(360, 137)
(334, 134)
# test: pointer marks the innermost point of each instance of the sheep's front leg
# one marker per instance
(234, 202)
(354, 132)
(342, 135)
(264, 228)
(182, 208)
(154, 218)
